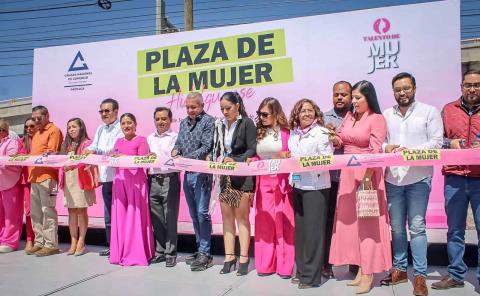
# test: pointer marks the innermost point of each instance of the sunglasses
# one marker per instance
(263, 114)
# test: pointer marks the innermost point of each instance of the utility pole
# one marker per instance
(188, 14)
(160, 23)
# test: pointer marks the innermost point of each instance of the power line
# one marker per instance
(54, 7)
(11, 65)
(83, 27)
(197, 11)
(15, 75)
(75, 23)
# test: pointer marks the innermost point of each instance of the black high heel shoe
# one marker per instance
(227, 266)
(243, 267)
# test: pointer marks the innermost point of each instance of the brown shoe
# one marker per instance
(395, 277)
(33, 250)
(420, 286)
(447, 283)
(47, 252)
(28, 246)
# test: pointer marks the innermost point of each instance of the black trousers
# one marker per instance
(310, 207)
(164, 207)
(107, 188)
(332, 204)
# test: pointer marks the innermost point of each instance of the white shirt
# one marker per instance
(162, 146)
(227, 141)
(420, 128)
(314, 142)
(103, 142)
(271, 144)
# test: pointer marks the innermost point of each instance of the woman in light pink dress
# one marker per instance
(361, 241)
(131, 241)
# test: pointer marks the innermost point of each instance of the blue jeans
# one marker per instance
(459, 191)
(107, 208)
(409, 203)
(197, 188)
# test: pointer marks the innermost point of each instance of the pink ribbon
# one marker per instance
(426, 157)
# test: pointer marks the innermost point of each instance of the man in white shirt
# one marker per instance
(105, 137)
(411, 125)
(164, 190)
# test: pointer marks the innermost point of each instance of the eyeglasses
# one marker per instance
(30, 126)
(106, 111)
(305, 111)
(406, 89)
(263, 114)
(467, 86)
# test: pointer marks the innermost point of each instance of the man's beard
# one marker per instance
(410, 101)
(473, 99)
(344, 109)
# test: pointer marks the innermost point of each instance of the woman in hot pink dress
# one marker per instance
(361, 241)
(131, 241)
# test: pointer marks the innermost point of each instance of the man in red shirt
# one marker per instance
(461, 120)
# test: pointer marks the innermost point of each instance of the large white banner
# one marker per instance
(286, 59)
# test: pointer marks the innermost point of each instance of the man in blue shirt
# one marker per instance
(342, 103)
(195, 141)
(105, 137)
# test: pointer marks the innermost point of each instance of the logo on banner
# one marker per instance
(353, 161)
(384, 46)
(79, 75)
(78, 60)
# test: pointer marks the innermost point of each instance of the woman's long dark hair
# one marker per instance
(26, 137)
(235, 98)
(82, 136)
(367, 89)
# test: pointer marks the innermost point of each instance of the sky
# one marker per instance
(28, 24)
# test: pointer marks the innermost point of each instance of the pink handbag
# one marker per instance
(367, 203)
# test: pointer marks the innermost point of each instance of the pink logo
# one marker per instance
(381, 25)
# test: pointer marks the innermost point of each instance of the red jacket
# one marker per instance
(460, 124)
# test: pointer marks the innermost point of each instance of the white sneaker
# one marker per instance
(6, 249)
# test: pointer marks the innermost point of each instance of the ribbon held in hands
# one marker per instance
(409, 157)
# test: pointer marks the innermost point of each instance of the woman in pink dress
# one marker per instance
(29, 129)
(131, 241)
(361, 241)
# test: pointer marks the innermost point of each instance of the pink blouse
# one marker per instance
(9, 175)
